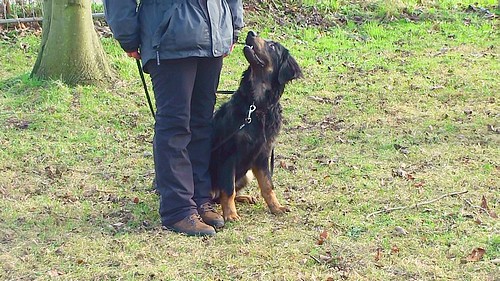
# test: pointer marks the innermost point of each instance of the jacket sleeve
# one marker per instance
(236, 7)
(123, 20)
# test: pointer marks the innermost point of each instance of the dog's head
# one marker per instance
(270, 62)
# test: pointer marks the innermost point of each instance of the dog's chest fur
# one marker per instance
(264, 127)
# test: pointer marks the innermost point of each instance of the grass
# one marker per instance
(390, 113)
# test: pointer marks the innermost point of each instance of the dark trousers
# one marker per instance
(185, 99)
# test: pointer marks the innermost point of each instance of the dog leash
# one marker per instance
(248, 120)
(141, 73)
(144, 85)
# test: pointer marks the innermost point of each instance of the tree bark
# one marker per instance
(70, 49)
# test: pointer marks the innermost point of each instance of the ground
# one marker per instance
(388, 157)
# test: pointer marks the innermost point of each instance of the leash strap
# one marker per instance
(248, 120)
(224, 92)
(141, 73)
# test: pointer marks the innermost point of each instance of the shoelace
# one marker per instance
(194, 218)
(207, 207)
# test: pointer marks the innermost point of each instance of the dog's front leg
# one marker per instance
(229, 206)
(261, 172)
(226, 185)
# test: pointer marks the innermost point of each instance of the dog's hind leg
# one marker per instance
(266, 189)
(240, 184)
(247, 199)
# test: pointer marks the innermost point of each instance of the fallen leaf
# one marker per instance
(400, 231)
(55, 273)
(394, 249)
(378, 255)
(324, 234)
(419, 184)
(322, 237)
(325, 258)
(493, 214)
(136, 200)
(401, 173)
(410, 177)
(118, 225)
(286, 166)
(476, 255)
(484, 205)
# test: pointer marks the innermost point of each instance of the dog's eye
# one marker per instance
(272, 46)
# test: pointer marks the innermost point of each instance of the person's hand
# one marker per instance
(134, 54)
(230, 50)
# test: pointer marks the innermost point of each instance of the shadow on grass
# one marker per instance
(21, 84)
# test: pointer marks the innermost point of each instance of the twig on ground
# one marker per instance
(315, 258)
(477, 207)
(389, 210)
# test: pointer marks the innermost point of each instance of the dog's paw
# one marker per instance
(231, 217)
(278, 210)
(246, 199)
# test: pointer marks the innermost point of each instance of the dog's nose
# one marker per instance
(252, 33)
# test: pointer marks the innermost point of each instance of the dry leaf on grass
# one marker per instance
(394, 249)
(476, 255)
(398, 230)
(378, 255)
(322, 237)
(286, 166)
(54, 273)
(484, 205)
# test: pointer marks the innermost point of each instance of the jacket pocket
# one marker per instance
(184, 27)
(161, 30)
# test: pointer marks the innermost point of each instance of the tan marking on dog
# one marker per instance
(228, 206)
(266, 189)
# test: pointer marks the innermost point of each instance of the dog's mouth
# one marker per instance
(251, 56)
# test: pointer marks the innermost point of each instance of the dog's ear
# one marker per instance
(289, 69)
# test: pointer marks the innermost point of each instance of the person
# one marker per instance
(181, 44)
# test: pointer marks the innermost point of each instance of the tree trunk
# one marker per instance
(70, 48)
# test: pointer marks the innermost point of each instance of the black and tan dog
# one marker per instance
(247, 125)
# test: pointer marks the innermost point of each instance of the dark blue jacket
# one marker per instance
(172, 29)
